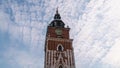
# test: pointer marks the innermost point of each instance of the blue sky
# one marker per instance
(94, 27)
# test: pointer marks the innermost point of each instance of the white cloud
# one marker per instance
(22, 58)
(4, 19)
(113, 57)
(98, 33)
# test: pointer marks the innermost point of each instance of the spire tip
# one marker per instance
(57, 10)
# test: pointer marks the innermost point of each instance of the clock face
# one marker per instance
(58, 31)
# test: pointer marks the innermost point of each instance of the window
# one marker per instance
(60, 66)
(58, 24)
(60, 47)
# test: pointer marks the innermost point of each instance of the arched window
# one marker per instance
(60, 47)
(60, 66)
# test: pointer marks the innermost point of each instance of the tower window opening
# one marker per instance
(60, 48)
(58, 24)
(60, 66)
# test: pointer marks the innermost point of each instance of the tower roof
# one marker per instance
(57, 22)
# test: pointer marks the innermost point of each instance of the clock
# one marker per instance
(58, 31)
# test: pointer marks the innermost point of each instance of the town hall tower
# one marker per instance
(58, 45)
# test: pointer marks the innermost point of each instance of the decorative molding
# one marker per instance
(59, 39)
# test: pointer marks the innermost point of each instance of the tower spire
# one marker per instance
(57, 10)
(57, 15)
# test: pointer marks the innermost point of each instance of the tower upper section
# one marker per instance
(56, 29)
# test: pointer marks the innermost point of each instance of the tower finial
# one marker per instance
(57, 15)
(57, 10)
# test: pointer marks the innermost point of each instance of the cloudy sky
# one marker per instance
(95, 28)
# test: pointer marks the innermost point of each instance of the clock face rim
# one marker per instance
(58, 31)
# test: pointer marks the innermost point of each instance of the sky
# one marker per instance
(95, 28)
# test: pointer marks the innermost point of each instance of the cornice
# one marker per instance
(59, 39)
